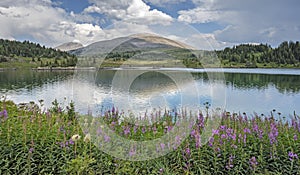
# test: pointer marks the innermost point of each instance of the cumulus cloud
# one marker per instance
(41, 21)
(134, 11)
(198, 15)
(247, 21)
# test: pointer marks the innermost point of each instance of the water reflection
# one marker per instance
(245, 92)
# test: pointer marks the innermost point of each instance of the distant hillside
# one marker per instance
(28, 54)
(140, 42)
(69, 46)
(287, 54)
(137, 50)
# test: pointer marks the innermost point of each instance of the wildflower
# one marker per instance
(154, 129)
(292, 156)
(215, 132)
(211, 141)
(253, 162)
(222, 127)
(260, 135)
(99, 131)
(295, 137)
(193, 133)
(161, 171)
(135, 128)
(245, 139)
(132, 152)
(198, 140)
(247, 130)
(230, 162)
(162, 145)
(273, 134)
(169, 128)
(31, 150)
(4, 114)
(106, 138)
(75, 137)
(255, 128)
(126, 130)
(188, 151)
(87, 138)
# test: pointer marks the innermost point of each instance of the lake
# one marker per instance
(140, 90)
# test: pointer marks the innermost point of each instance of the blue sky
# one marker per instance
(205, 24)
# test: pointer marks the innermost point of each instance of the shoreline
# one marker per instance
(143, 68)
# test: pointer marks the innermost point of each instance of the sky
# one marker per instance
(204, 24)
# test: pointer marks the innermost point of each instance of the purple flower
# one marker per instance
(233, 136)
(295, 137)
(198, 141)
(253, 162)
(245, 139)
(260, 134)
(31, 150)
(169, 128)
(154, 129)
(132, 152)
(292, 156)
(135, 128)
(71, 142)
(294, 123)
(143, 130)
(193, 133)
(106, 138)
(230, 162)
(99, 131)
(215, 132)
(211, 141)
(222, 127)
(247, 130)
(4, 114)
(162, 145)
(188, 151)
(255, 128)
(273, 134)
(126, 130)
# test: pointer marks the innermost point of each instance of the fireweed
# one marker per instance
(33, 141)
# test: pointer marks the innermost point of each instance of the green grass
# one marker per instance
(39, 142)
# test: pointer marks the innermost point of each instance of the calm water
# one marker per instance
(236, 90)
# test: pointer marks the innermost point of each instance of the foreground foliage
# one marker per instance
(51, 142)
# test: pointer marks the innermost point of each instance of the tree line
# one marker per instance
(15, 50)
(250, 55)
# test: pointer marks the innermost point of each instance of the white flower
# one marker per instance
(87, 138)
(75, 137)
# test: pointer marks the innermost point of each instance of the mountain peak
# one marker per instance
(69, 46)
(154, 38)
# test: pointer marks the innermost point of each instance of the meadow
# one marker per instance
(52, 141)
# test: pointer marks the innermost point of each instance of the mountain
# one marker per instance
(69, 46)
(138, 42)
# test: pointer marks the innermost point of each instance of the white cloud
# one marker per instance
(247, 21)
(42, 22)
(134, 11)
(198, 15)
